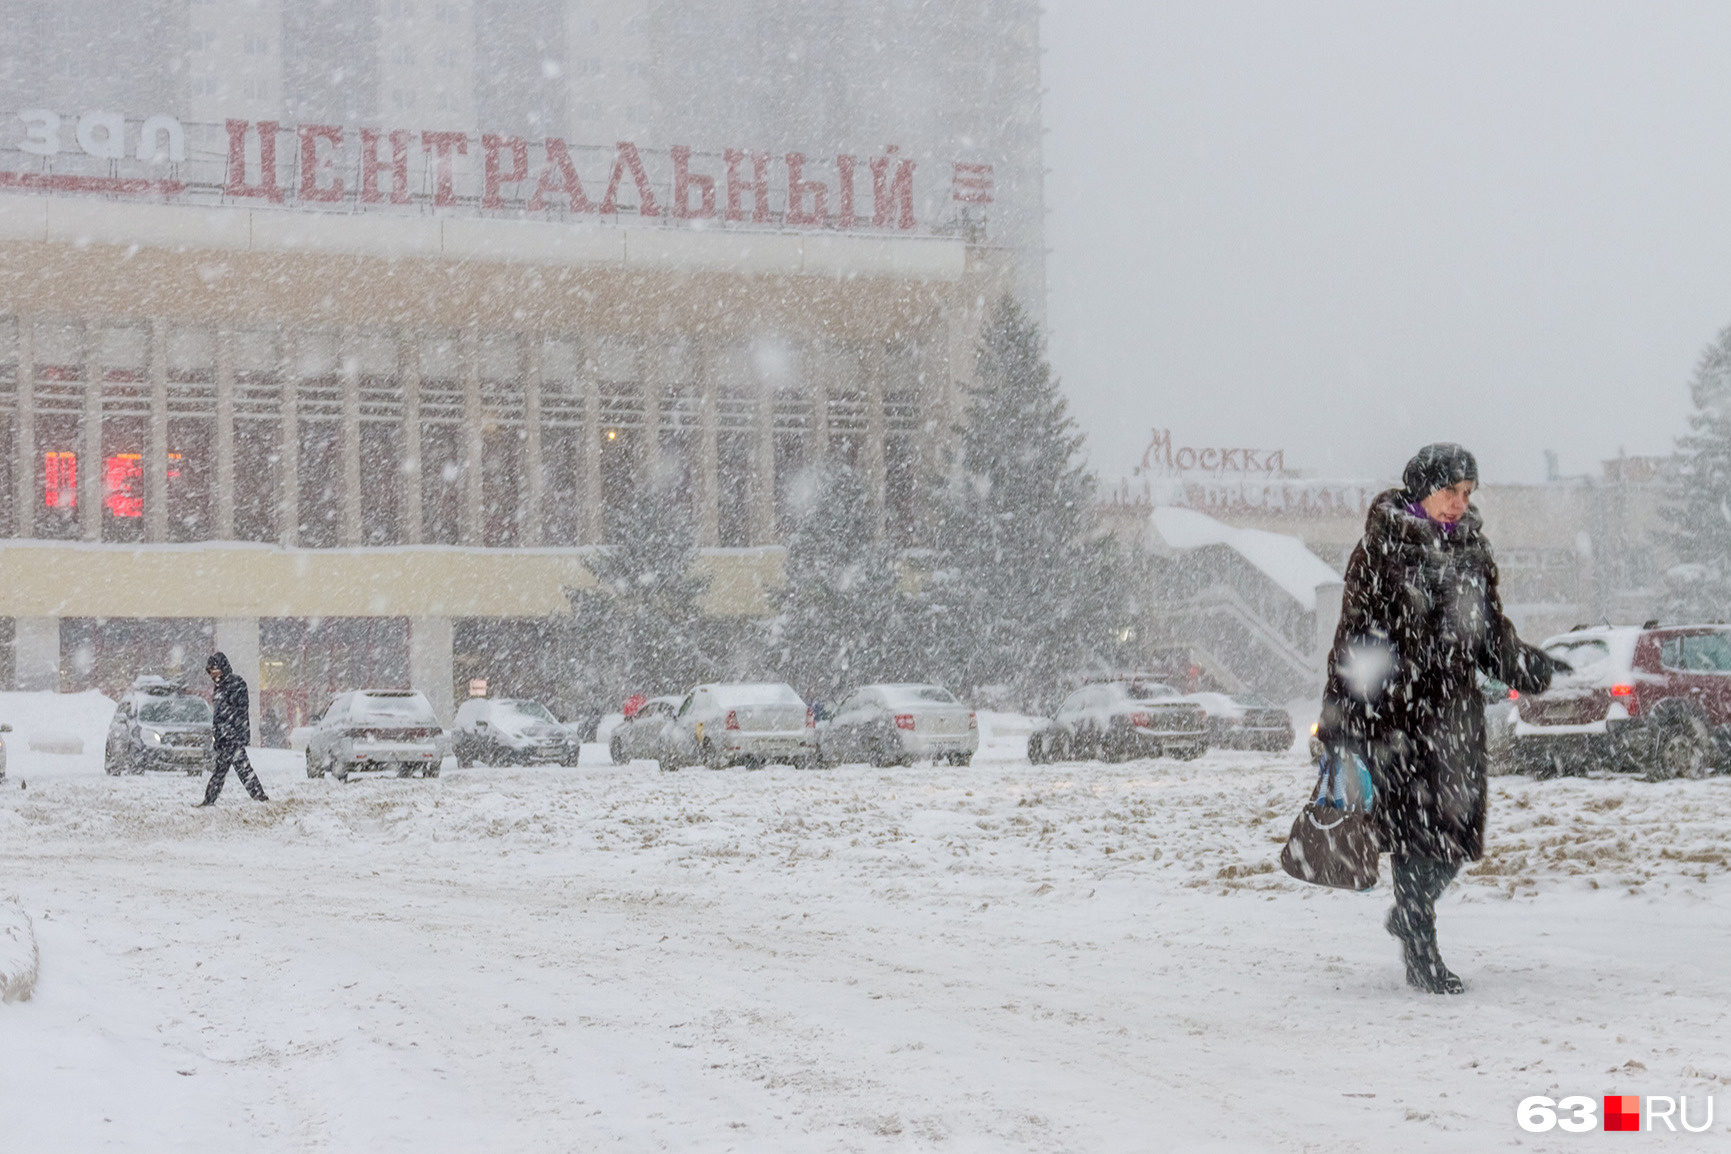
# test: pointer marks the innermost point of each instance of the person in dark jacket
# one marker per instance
(231, 727)
(1421, 617)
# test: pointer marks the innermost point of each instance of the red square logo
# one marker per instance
(1622, 1112)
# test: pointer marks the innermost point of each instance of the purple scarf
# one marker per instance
(1417, 510)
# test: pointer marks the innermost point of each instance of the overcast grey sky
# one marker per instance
(1347, 229)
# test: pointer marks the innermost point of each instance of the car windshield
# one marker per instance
(917, 695)
(760, 693)
(406, 709)
(176, 711)
(530, 711)
(1587, 655)
(1148, 691)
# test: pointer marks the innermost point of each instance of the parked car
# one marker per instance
(1244, 721)
(1119, 720)
(718, 725)
(510, 731)
(1649, 700)
(376, 729)
(898, 725)
(157, 724)
(640, 734)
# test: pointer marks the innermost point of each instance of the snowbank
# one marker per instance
(18, 954)
(1284, 560)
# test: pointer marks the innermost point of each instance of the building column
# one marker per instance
(763, 476)
(90, 453)
(534, 490)
(156, 444)
(237, 639)
(24, 487)
(592, 528)
(469, 513)
(36, 654)
(708, 466)
(431, 668)
(349, 444)
(289, 465)
(874, 444)
(409, 370)
(224, 496)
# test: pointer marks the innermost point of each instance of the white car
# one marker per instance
(744, 723)
(510, 731)
(898, 725)
(376, 729)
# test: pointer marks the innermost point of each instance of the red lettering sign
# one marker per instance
(60, 480)
(971, 183)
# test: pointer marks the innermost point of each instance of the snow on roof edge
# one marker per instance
(1283, 559)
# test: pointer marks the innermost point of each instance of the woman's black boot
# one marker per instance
(1412, 921)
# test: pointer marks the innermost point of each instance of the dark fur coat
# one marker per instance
(1421, 617)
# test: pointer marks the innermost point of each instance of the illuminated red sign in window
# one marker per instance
(60, 480)
(122, 478)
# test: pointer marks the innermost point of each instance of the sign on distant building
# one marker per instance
(1235, 480)
(318, 165)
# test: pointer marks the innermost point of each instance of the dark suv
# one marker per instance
(1651, 700)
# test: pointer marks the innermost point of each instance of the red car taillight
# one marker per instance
(973, 721)
(733, 719)
(810, 718)
(1514, 695)
(1139, 719)
(1625, 695)
(904, 721)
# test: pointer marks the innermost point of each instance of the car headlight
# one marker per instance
(151, 736)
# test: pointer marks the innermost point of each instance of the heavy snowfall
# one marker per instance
(1072, 957)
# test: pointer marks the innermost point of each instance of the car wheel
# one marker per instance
(339, 770)
(430, 771)
(1036, 748)
(1684, 750)
(465, 759)
(962, 759)
(616, 751)
(110, 763)
(711, 759)
(314, 769)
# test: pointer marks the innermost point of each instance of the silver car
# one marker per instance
(754, 723)
(640, 735)
(158, 725)
(1119, 720)
(898, 725)
(510, 731)
(376, 729)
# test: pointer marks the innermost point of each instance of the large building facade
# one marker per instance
(346, 376)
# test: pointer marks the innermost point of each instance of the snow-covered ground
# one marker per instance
(1058, 958)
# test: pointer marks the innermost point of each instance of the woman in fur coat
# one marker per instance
(1420, 619)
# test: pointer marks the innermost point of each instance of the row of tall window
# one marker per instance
(313, 416)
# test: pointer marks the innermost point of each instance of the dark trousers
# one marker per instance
(235, 755)
(1418, 882)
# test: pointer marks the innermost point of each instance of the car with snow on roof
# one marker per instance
(898, 724)
(158, 725)
(640, 735)
(1244, 721)
(1654, 700)
(393, 730)
(741, 723)
(1120, 720)
(510, 731)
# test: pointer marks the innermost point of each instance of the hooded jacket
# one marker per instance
(1420, 618)
(232, 724)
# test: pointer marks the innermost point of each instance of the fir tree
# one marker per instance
(641, 629)
(1699, 496)
(840, 619)
(1026, 588)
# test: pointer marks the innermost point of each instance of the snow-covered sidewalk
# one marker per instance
(1077, 957)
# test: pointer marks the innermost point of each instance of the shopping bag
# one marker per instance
(1333, 841)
